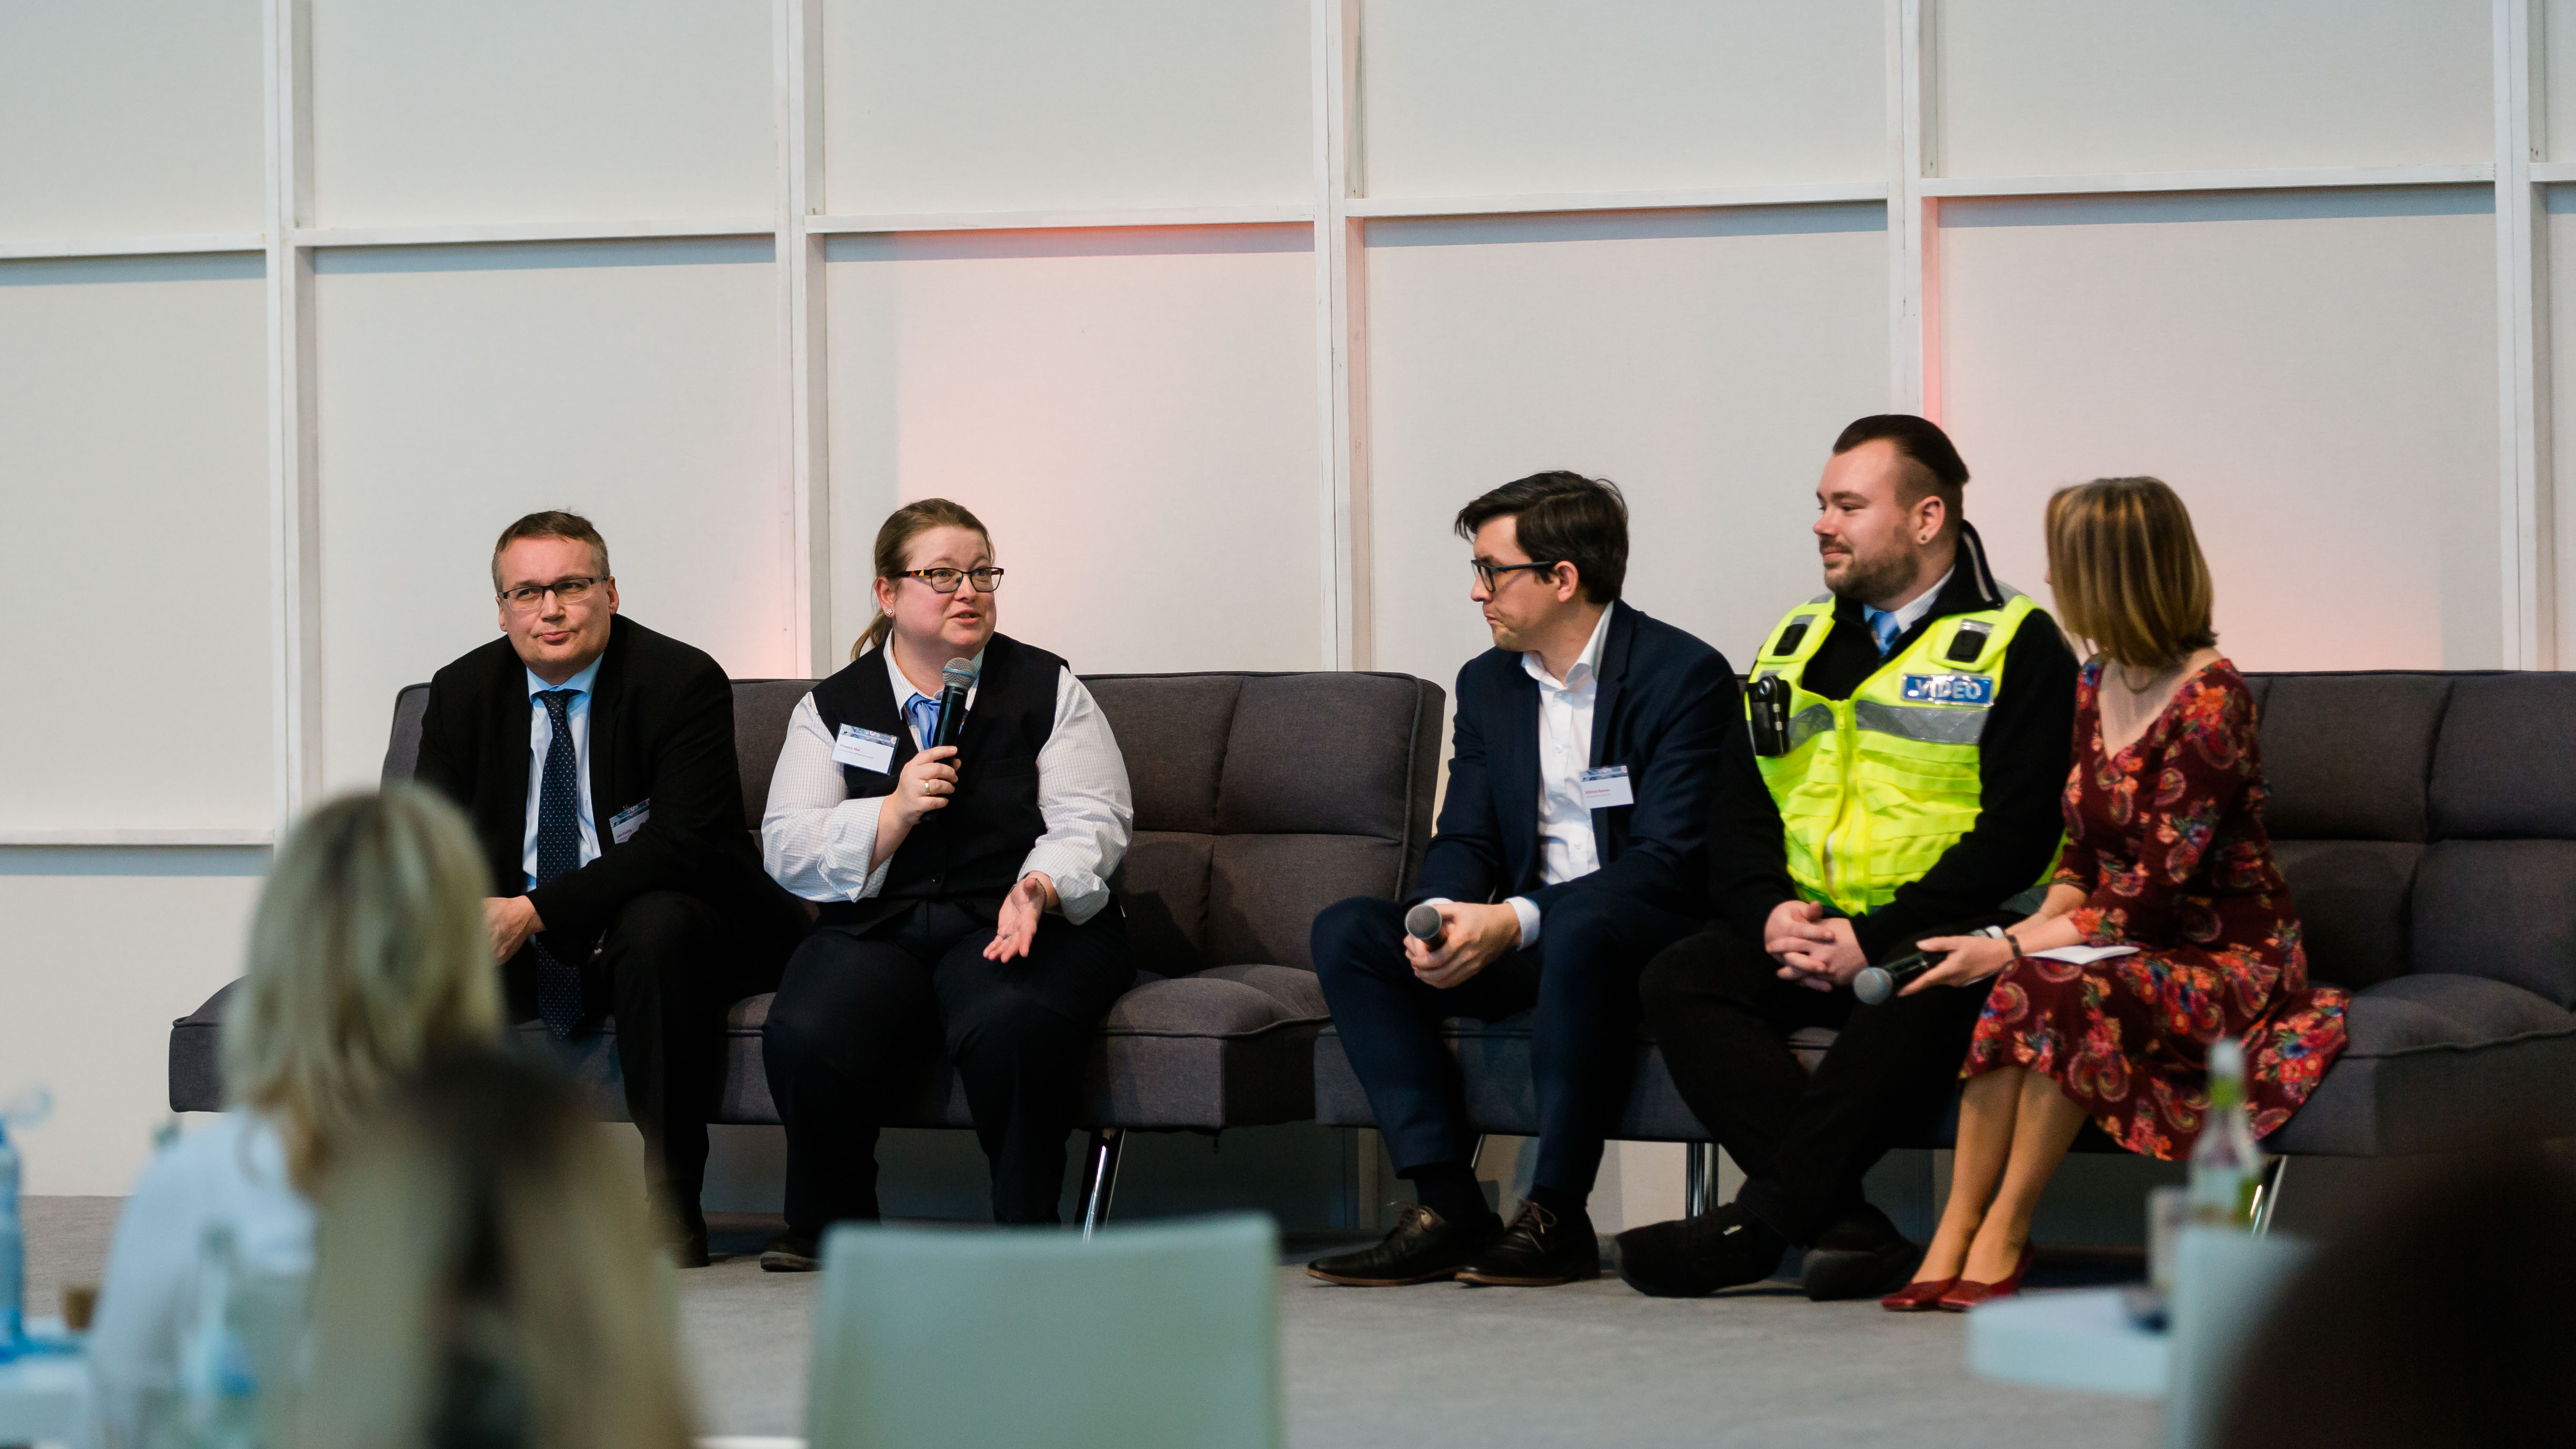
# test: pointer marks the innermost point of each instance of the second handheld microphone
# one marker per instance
(1422, 923)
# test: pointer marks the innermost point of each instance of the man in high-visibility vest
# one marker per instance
(1911, 731)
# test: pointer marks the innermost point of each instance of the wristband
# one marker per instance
(2015, 945)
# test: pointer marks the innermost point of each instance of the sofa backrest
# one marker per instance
(1260, 798)
(2427, 822)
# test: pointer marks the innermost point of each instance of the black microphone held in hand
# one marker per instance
(955, 681)
(1422, 923)
(1875, 984)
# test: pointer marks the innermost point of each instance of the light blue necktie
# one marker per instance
(1882, 627)
(923, 711)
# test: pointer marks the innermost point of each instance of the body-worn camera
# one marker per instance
(1768, 701)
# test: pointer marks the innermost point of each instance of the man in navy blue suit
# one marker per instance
(1571, 848)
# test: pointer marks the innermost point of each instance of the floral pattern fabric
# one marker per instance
(2166, 839)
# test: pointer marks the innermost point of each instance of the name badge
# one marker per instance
(1950, 688)
(1606, 788)
(864, 748)
(623, 825)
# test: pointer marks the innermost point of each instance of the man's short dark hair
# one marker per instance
(551, 523)
(1562, 518)
(1937, 469)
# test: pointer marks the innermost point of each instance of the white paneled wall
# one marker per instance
(2170, 336)
(1130, 412)
(636, 382)
(1215, 312)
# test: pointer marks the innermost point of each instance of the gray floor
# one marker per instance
(1440, 1364)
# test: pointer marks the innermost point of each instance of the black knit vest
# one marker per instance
(969, 852)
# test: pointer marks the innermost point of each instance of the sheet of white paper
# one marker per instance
(2086, 955)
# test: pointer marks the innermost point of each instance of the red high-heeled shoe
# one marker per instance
(1967, 1294)
(1923, 1297)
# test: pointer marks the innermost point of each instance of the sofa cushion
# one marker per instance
(2506, 768)
(2351, 896)
(1312, 754)
(2440, 1062)
(402, 749)
(1163, 886)
(2502, 909)
(761, 709)
(1172, 729)
(1212, 1005)
(2346, 756)
(1264, 891)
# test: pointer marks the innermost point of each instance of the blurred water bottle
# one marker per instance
(218, 1382)
(27, 1111)
(2226, 1166)
(13, 1251)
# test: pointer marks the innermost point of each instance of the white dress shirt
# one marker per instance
(230, 1171)
(1567, 849)
(821, 844)
(1912, 614)
(541, 737)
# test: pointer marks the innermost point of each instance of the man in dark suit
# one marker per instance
(1571, 848)
(596, 759)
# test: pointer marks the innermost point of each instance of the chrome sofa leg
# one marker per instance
(1100, 1177)
(1476, 1157)
(2267, 1195)
(1699, 1179)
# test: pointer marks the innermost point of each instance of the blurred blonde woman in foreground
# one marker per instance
(488, 1279)
(367, 955)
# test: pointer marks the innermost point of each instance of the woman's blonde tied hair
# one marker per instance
(368, 953)
(894, 541)
(2127, 571)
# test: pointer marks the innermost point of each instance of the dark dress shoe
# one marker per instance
(1539, 1250)
(689, 1246)
(1859, 1255)
(791, 1252)
(1693, 1257)
(1422, 1247)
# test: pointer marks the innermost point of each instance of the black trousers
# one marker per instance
(667, 970)
(1718, 1006)
(861, 1010)
(1581, 977)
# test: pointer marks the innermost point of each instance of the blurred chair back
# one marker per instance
(1163, 1336)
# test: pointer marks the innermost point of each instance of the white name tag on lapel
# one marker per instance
(623, 825)
(1606, 788)
(864, 748)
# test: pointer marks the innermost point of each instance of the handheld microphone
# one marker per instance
(955, 681)
(1875, 984)
(1422, 923)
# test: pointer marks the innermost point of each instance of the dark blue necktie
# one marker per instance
(1882, 627)
(558, 851)
(923, 711)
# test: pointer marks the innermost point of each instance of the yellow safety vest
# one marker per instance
(1872, 789)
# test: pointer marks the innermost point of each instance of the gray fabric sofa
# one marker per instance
(2427, 823)
(1241, 837)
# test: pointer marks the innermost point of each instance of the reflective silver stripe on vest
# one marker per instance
(1929, 724)
(1808, 723)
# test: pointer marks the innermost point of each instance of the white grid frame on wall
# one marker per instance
(1338, 210)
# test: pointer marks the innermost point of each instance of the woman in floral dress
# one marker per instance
(2165, 852)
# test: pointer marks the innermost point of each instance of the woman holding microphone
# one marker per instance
(962, 888)
(2166, 854)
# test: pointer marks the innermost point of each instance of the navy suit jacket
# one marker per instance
(1665, 705)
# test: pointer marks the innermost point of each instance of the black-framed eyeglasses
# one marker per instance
(1490, 574)
(526, 597)
(945, 581)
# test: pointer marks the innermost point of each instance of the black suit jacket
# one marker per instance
(1665, 705)
(661, 729)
